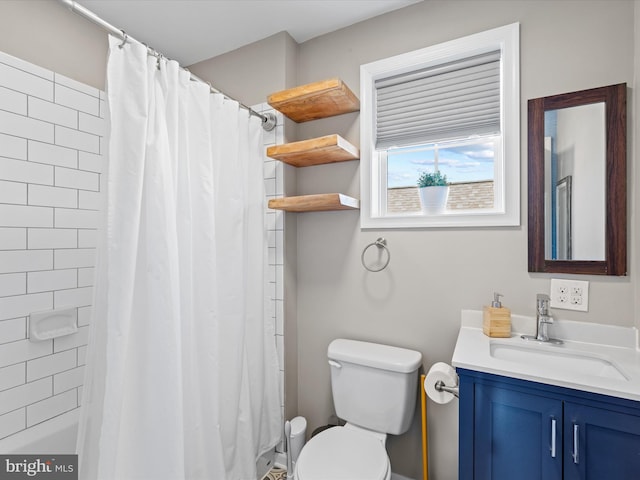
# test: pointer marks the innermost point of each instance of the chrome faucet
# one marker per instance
(542, 317)
(543, 320)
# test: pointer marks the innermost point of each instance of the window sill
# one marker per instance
(449, 219)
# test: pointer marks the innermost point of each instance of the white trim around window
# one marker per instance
(507, 166)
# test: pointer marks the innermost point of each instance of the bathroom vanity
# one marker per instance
(532, 411)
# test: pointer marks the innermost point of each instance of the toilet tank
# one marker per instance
(374, 386)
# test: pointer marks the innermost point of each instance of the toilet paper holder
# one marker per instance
(441, 383)
(441, 387)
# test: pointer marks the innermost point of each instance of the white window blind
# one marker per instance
(452, 100)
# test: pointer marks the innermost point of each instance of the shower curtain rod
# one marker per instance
(268, 119)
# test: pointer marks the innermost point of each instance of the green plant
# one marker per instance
(432, 179)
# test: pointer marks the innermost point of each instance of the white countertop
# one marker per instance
(613, 348)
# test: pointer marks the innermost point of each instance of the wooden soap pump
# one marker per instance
(496, 319)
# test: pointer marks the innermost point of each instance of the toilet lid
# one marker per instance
(342, 453)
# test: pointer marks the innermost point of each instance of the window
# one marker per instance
(452, 108)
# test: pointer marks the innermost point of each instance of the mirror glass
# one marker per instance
(575, 169)
(577, 182)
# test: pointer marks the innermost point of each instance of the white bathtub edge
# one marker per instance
(36, 437)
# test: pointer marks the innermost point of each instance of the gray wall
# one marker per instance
(46, 33)
(416, 301)
(253, 72)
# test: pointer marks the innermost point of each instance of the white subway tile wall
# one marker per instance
(274, 181)
(50, 164)
(51, 130)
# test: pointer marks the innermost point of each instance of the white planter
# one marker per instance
(433, 199)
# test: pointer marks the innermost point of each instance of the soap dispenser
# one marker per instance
(496, 319)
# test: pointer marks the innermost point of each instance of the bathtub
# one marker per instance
(57, 435)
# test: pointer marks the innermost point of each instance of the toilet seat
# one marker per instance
(343, 453)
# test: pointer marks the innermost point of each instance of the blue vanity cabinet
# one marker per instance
(516, 435)
(601, 443)
(515, 429)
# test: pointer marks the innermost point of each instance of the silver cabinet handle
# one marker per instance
(553, 438)
(576, 444)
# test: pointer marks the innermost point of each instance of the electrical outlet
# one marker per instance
(569, 294)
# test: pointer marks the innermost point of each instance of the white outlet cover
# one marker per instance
(563, 295)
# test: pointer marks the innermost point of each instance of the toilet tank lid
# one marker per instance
(374, 355)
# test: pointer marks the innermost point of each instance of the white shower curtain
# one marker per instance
(182, 378)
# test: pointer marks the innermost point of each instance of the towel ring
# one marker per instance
(381, 243)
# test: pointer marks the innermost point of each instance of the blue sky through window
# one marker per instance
(471, 160)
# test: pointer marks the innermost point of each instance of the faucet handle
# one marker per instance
(542, 297)
(542, 303)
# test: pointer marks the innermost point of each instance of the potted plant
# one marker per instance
(434, 192)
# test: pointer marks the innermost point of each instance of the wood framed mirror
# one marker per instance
(578, 140)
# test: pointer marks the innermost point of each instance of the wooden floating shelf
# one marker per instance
(315, 100)
(315, 203)
(316, 151)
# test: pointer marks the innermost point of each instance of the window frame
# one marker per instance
(373, 175)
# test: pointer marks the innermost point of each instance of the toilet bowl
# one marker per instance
(366, 380)
(344, 453)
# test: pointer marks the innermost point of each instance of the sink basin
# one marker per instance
(557, 358)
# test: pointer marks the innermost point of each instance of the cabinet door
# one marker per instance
(516, 435)
(600, 444)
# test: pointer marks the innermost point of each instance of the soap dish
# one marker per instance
(52, 324)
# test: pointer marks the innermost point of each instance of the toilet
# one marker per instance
(374, 390)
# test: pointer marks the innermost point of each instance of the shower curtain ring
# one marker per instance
(125, 39)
